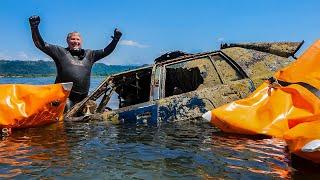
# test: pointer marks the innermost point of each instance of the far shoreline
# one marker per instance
(42, 76)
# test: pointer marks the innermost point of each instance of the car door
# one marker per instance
(142, 112)
(205, 81)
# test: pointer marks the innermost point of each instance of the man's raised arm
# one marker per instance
(111, 46)
(36, 37)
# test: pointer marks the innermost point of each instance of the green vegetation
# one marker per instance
(48, 68)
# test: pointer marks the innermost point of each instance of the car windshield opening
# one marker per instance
(182, 80)
(133, 88)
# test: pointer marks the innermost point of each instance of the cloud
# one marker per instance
(220, 39)
(132, 43)
(4, 55)
(27, 57)
(21, 55)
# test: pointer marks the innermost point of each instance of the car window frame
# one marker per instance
(209, 55)
(231, 63)
(164, 65)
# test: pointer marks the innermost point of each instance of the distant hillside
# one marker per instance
(48, 68)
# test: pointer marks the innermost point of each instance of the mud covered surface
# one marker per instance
(255, 63)
(189, 150)
(284, 49)
(206, 70)
(193, 104)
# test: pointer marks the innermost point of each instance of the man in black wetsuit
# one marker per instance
(73, 63)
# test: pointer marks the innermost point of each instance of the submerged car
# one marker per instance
(182, 86)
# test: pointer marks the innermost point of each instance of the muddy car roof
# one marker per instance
(242, 53)
(284, 49)
(255, 58)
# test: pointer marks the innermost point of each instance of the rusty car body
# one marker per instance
(186, 86)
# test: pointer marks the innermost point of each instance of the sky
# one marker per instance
(151, 28)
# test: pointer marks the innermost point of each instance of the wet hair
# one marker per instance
(72, 33)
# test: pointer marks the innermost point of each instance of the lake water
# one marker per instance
(185, 150)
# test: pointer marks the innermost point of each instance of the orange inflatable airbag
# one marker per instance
(23, 106)
(291, 112)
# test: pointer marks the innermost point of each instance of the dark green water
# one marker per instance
(185, 150)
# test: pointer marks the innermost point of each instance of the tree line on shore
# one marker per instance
(18, 68)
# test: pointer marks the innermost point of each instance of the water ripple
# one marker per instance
(180, 150)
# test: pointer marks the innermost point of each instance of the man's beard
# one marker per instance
(77, 52)
(75, 49)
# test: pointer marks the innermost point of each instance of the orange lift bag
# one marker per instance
(304, 140)
(291, 112)
(23, 105)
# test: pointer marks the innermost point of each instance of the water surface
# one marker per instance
(188, 150)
